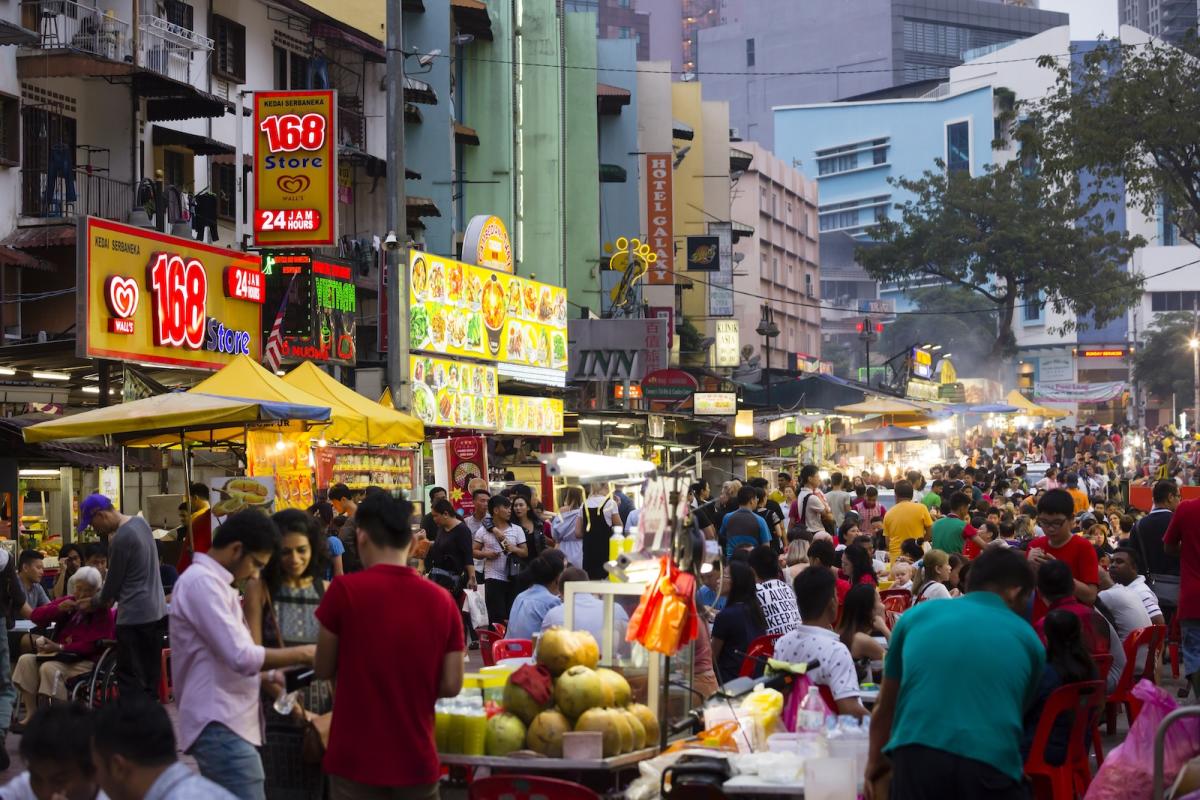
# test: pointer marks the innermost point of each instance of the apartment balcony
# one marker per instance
(60, 196)
(78, 41)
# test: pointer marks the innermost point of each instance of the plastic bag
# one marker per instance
(665, 619)
(791, 708)
(1128, 771)
(765, 706)
(474, 605)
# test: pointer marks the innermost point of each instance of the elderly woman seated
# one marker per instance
(76, 642)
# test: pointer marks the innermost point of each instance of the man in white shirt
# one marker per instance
(1124, 571)
(1125, 608)
(56, 749)
(589, 612)
(816, 640)
(838, 498)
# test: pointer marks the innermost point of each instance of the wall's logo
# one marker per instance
(292, 184)
(122, 296)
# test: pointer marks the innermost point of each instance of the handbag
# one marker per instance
(1165, 587)
(826, 517)
(315, 726)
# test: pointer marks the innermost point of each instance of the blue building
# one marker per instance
(853, 148)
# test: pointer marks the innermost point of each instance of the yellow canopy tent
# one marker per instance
(243, 377)
(1032, 409)
(165, 416)
(381, 426)
(385, 399)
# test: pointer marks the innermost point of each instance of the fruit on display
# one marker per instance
(602, 720)
(588, 654)
(556, 649)
(545, 734)
(623, 728)
(517, 701)
(505, 733)
(577, 690)
(616, 689)
(639, 730)
(648, 720)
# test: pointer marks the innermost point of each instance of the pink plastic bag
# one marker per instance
(1128, 771)
(791, 708)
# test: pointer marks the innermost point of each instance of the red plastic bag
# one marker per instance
(665, 619)
(1128, 771)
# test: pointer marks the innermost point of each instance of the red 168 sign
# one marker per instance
(180, 296)
(287, 133)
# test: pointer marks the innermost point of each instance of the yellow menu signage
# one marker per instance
(541, 416)
(464, 310)
(453, 394)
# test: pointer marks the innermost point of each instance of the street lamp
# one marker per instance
(1194, 344)
(768, 330)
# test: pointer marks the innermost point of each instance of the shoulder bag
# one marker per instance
(1165, 587)
(315, 728)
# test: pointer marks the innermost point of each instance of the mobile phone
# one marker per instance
(296, 678)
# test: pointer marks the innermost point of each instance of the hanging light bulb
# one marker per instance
(279, 444)
(321, 442)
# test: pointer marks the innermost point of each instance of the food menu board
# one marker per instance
(359, 467)
(453, 394)
(465, 310)
(540, 416)
(283, 457)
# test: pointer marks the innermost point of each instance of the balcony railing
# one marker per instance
(50, 194)
(172, 50)
(352, 126)
(66, 25)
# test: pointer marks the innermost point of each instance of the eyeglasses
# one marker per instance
(1049, 524)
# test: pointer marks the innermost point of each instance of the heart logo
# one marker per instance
(122, 296)
(292, 184)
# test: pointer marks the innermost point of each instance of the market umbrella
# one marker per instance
(1032, 409)
(170, 414)
(985, 408)
(381, 426)
(883, 405)
(889, 433)
(246, 378)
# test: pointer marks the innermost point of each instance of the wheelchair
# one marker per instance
(99, 687)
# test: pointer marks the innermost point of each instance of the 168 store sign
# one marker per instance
(163, 300)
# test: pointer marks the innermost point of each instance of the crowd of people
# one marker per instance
(1044, 568)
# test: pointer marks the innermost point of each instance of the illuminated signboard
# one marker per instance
(319, 319)
(486, 243)
(464, 310)
(1108, 352)
(660, 217)
(156, 299)
(922, 363)
(454, 394)
(714, 404)
(295, 168)
(537, 416)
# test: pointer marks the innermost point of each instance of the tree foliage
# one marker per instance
(968, 337)
(1005, 236)
(1163, 365)
(1125, 115)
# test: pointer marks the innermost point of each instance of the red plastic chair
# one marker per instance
(1071, 778)
(1151, 637)
(898, 600)
(499, 627)
(1174, 642)
(527, 787)
(1103, 665)
(511, 648)
(487, 640)
(762, 647)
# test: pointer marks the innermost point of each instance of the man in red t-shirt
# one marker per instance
(1182, 539)
(1055, 511)
(394, 643)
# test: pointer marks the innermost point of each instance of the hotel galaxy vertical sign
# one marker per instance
(659, 218)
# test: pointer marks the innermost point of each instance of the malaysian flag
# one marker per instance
(273, 350)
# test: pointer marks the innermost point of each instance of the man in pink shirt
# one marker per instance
(215, 662)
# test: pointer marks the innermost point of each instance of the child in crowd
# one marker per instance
(902, 574)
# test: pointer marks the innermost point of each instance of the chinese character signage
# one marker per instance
(295, 168)
(714, 404)
(464, 310)
(660, 218)
(156, 299)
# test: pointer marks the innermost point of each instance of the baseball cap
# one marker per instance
(88, 508)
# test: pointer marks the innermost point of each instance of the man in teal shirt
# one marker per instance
(957, 680)
(949, 532)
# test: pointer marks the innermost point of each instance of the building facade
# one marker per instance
(1169, 20)
(815, 52)
(779, 263)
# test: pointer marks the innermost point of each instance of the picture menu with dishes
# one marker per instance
(531, 415)
(454, 394)
(464, 310)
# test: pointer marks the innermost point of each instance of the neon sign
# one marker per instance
(179, 291)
